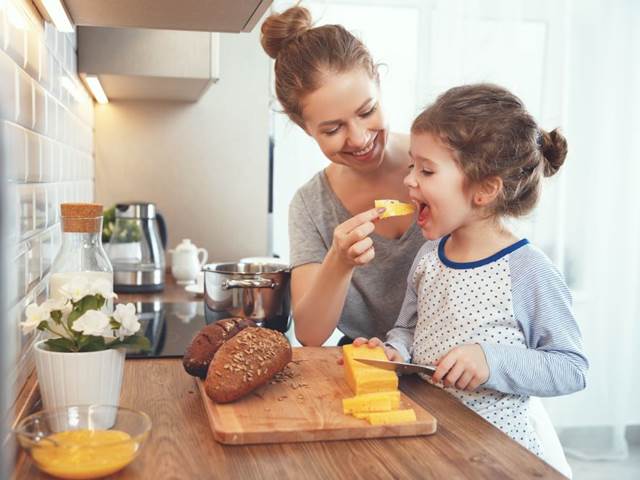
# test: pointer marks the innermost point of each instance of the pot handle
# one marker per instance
(258, 283)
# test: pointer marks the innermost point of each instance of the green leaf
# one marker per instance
(89, 302)
(101, 301)
(61, 345)
(133, 342)
(42, 326)
(56, 315)
(91, 343)
(73, 316)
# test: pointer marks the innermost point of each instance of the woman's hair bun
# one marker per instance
(280, 28)
(554, 151)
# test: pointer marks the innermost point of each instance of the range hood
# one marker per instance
(201, 15)
(149, 64)
(156, 49)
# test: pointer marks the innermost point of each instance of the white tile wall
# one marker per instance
(46, 139)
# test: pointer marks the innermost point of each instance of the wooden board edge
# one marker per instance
(419, 428)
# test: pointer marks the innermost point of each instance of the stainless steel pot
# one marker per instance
(258, 291)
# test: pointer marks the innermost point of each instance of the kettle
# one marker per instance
(136, 248)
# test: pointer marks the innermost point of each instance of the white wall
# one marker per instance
(204, 164)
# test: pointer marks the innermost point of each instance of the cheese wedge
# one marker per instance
(394, 208)
(371, 402)
(363, 378)
(395, 416)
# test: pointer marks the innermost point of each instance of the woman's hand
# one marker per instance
(464, 367)
(351, 242)
(392, 353)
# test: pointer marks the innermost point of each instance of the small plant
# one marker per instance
(127, 231)
(78, 323)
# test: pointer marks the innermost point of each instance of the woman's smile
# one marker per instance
(366, 153)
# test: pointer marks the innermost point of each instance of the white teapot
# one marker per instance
(186, 261)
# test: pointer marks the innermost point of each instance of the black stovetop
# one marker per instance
(169, 326)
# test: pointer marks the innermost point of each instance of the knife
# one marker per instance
(398, 367)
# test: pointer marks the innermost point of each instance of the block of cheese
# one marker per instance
(363, 378)
(372, 402)
(394, 416)
(394, 208)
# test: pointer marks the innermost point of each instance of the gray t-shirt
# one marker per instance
(377, 289)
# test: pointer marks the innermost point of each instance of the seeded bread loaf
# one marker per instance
(206, 343)
(245, 362)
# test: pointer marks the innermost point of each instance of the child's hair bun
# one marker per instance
(278, 29)
(554, 151)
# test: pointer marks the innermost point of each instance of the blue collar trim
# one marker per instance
(477, 263)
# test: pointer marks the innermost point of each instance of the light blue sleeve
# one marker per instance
(554, 362)
(400, 336)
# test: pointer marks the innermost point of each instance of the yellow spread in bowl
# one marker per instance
(85, 453)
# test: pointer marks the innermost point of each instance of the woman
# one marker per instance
(349, 269)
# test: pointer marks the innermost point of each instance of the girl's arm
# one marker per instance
(554, 362)
(400, 337)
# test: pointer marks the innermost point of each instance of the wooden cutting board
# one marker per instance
(305, 405)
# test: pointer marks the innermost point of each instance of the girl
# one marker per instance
(489, 309)
(328, 84)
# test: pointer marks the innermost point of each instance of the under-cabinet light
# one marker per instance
(58, 15)
(96, 89)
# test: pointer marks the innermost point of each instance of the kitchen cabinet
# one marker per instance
(204, 15)
(149, 64)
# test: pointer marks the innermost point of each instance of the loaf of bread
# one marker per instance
(245, 362)
(206, 343)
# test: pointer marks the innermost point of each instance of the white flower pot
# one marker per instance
(85, 378)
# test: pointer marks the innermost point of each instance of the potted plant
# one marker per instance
(82, 361)
(121, 237)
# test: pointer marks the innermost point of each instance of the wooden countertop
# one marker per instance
(181, 445)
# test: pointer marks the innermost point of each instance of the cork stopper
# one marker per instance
(81, 217)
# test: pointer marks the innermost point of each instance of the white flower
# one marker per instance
(92, 322)
(126, 316)
(35, 314)
(78, 288)
(58, 304)
(103, 287)
(81, 286)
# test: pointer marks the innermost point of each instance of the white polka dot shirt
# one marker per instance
(517, 307)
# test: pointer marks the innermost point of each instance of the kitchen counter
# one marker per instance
(182, 446)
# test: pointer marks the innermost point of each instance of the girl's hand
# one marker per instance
(464, 367)
(392, 353)
(351, 241)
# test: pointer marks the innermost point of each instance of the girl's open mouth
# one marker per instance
(423, 212)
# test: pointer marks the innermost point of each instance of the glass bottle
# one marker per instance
(81, 253)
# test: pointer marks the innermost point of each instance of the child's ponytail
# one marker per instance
(554, 151)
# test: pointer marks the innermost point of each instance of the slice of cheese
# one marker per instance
(394, 208)
(363, 378)
(362, 415)
(372, 402)
(395, 416)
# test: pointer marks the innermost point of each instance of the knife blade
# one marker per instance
(398, 367)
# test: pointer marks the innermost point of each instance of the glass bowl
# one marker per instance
(83, 441)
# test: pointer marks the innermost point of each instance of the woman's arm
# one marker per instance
(318, 291)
